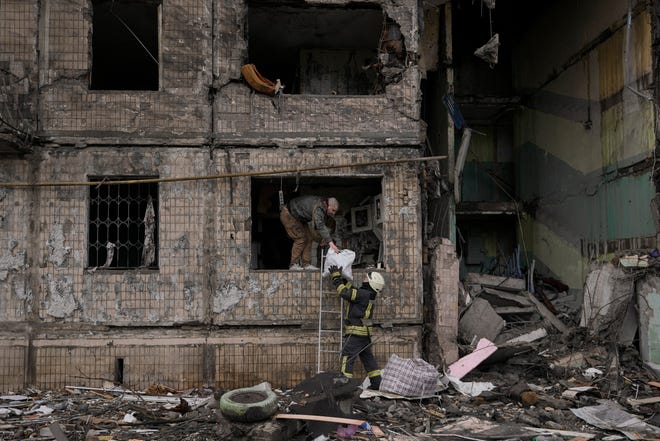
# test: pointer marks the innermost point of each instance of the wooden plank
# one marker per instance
(516, 298)
(561, 432)
(547, 315)
(642, 401)
(507, 283)
(514, 310)
(328, 419)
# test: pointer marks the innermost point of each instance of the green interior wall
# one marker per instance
(580, 130)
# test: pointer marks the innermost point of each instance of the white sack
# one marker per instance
(344, 259)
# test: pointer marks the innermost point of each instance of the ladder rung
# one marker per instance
(330, 321)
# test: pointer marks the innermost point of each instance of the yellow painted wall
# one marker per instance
(554, 252)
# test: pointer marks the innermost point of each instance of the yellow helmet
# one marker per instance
(376, 281)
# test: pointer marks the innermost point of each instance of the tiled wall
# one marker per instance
(204, 248)
(192, 103)
(16, 216)
(179, 110)
(204, 276)
(18, 63)
(225, 359)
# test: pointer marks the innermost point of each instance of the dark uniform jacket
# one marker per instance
(360, 306)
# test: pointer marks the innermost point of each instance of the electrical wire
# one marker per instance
(297, 171)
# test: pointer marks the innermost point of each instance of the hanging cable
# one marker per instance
(134, 36)
(281, 193)
(220, 176)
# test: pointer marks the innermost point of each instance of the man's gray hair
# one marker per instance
(334, 203)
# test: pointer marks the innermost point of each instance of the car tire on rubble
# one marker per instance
(249, 404)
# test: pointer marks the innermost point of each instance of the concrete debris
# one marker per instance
(464, 365)
(608, 415)
(528, 395)
(542, 377)
(497, 282)
(480, 321)
(607, 293)
(504, 312)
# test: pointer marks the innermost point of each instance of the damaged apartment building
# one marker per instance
(146, 146)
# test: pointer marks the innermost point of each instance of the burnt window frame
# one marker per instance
(117, 206)
(147, 48)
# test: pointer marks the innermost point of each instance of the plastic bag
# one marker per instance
(344, 259)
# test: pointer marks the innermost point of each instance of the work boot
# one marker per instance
(374, 382)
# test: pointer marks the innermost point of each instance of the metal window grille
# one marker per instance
(123, 224)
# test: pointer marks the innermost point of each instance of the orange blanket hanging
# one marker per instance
(258, 82)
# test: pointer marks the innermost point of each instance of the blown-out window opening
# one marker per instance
(125, 45)
(317, 49)
(358, 224)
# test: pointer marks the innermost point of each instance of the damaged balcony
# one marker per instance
(349, 69)
(320, 50)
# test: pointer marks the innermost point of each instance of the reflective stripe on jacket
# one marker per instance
(360, 306)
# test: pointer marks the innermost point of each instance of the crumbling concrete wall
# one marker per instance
(19, 74)
(444, 304)
(204, 273)
(203, 121)
(202, 97)
(178, 113)
(204, 276)
(648, 304)
(16, 240)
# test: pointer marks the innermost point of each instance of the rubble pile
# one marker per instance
(530, 368)
(534, 396)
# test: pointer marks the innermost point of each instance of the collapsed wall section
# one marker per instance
(351, 79)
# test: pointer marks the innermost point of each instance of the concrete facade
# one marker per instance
(560, 170)
(204, 312)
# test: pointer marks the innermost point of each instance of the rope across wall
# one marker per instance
(296, 170)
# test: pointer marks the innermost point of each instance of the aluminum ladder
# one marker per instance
(331, 319)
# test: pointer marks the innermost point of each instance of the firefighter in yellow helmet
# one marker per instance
(357, 334)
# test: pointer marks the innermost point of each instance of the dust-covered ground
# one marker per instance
(534, 396)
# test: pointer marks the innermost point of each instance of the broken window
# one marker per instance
(125, 46)
(318, 50)
(123, 224)
(358, 225)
